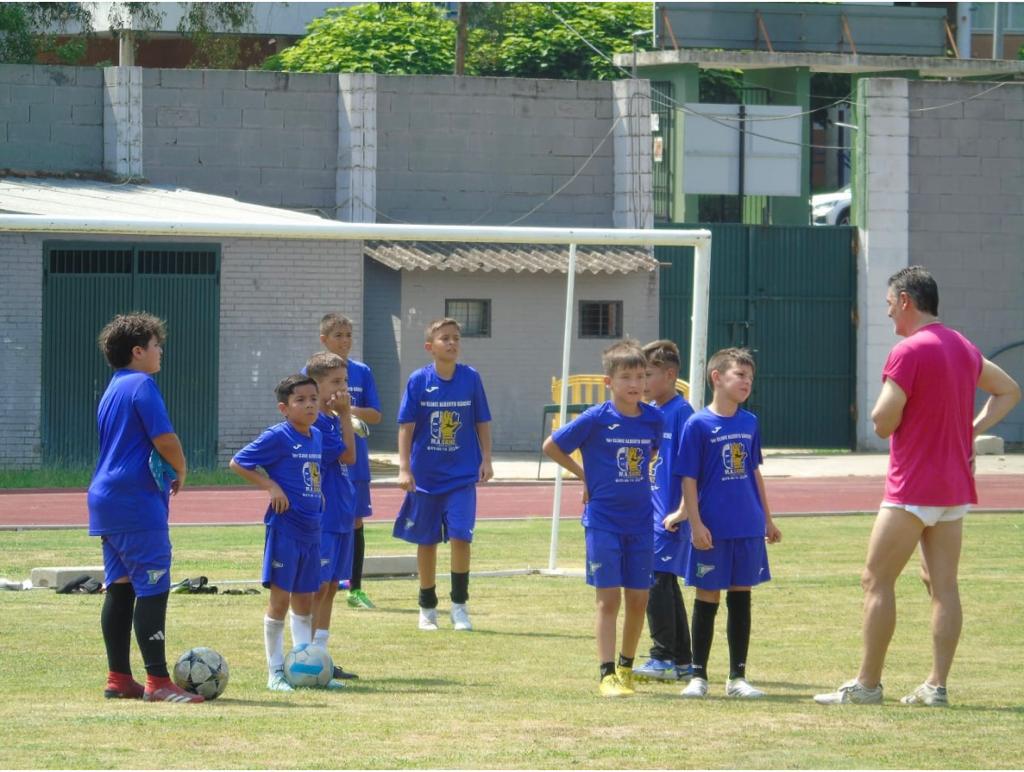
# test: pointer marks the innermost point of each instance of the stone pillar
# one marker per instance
(122, 121)
(631, 109)
(356, 181)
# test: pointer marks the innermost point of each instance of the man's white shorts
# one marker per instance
(932, 515)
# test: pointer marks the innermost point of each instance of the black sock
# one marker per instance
(150, 618)
(625, 661)
(116, 623)
(738, 630)
(607, 669)
(702, 636)
(460, 587)
(355, 581)
(428, 597)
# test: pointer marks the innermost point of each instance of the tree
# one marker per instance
(28, 30)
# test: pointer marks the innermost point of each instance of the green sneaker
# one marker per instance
(358, 599)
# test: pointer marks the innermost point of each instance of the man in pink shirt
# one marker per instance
(926, 408)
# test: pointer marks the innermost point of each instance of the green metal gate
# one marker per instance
(789, 294)
(84, 285)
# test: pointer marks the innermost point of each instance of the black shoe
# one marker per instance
(342, 674)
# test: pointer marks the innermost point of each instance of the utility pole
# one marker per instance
(460, 39)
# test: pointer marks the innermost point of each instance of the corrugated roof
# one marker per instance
(92, 198)
(502, 258)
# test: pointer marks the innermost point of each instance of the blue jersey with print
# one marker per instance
(617, 452)
(721, 453)
(122, 494)
(666, 481)
(363, 389)
(445, 447)
(292, 460)
(339, 495)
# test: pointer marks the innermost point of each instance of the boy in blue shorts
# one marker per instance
(335, 425)
(444, 450)
(128, 508)
(618, 440)
(290, 453)
(336, 337)
(724, 501)
(666, 611)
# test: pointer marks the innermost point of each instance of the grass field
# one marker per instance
(520, 690)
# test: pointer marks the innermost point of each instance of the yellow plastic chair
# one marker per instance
(582, 391)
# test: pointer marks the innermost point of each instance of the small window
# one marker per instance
(600, 318)
(474, 316)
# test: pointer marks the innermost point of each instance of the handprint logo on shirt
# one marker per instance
(734, 458)
(630, 459)
(444, 425)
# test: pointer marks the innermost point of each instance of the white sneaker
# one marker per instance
(460, 617)
(276, 682)
(739, 687)
(927, 696)
(698, 687)
(428, 618)
(851, 693)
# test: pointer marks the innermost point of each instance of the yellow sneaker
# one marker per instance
(625, 675)
(611, 686)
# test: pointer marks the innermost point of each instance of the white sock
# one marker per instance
(320, 637)
(273, 639)
(302, 629)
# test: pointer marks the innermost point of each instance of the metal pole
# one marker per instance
(963, 29)
(556, 504)
(699, 322)
(997, 35)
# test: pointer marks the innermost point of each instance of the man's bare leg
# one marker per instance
(940, 557)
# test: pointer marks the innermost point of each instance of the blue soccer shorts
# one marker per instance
(672, 549)
(290, 564)
(336, 551)
(143, 556)
(364, 508)
(619, 559)
(729, 563)
(430, 519)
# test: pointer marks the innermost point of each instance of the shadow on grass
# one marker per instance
(268, 703)
(478, 632)
(400, 685)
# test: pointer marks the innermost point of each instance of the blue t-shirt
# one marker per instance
(363, 390)
(292, 460)
(721, 453)
(666, 480)
(617, 452)
(339, 495)
(445, 447)
(123, 495)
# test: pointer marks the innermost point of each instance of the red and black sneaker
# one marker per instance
(165, 690)
(121, 686)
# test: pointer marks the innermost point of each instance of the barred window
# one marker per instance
(474, 316)
(600, 318)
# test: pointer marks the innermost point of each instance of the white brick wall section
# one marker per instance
(885, 243)
(122, 121)
(631, 108)
(356, 184)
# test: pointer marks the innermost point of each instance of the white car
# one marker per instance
(831, 208)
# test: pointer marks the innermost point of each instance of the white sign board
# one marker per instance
(772, 149)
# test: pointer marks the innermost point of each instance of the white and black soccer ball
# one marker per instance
(360, 427)
(308, 665)
(202, 671)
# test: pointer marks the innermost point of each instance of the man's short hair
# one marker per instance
(126, 331)
(437, 324)
(662, 354)
(330, 322)
(725, 358)
(624, 355)
(324, 362)
(288, 385)
(920, 285)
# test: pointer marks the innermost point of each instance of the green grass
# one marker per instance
(520, 690)
(69, 477)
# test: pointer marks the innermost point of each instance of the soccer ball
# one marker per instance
(308, 665)
(359, 427)
(202, 671)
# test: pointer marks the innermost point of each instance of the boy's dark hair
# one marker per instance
(730, 357)
(437, 324)
(917, 282)
(625, 354)
(332, 320)
(126, 331)
(662, 353)
(288, 385)
(324, 362)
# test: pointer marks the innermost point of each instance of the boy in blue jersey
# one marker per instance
(724, 501)
(128, 508)
(336, 337)
(444, 450)
(618, 441)
(666, 611)
(335, 425)
(290, 453)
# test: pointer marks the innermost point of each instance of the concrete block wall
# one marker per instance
(51, 118)
(488, 150)
(525, 350)
(21, 345)
(263, 137)
(966, 224)
(634, 182)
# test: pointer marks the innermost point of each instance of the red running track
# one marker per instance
(788, 496)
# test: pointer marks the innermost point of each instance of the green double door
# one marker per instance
(789, 294)
(87, 283)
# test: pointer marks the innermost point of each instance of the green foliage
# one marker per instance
(205, 23)
(16, 43)
(31, 30)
